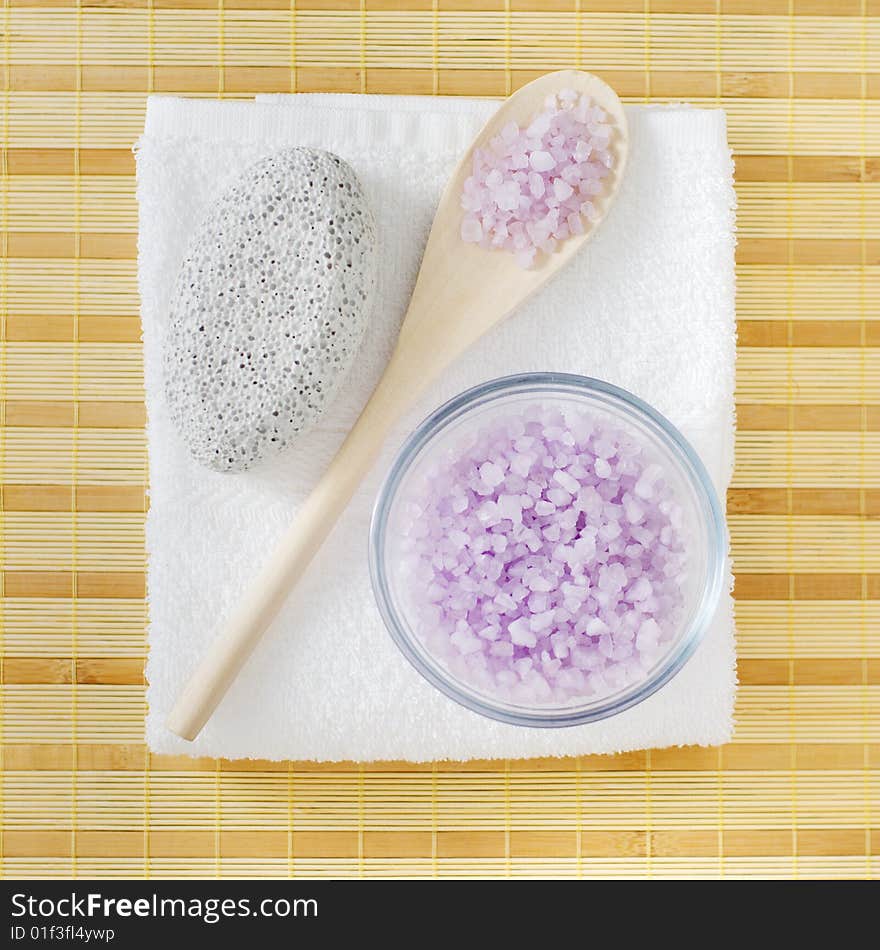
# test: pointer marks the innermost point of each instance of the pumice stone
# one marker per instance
(270, 307)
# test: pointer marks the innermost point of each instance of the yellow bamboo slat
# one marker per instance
(43, 627)
(540, 803)
(44, 287)
(45, 456)
(49, 203)
(44, 540)
(804, 543)
(796, 794)
(698, 868)
(480, 40)
(847, 375)
(816, 629)
(92, 371)
(766, 292)
(817, 459)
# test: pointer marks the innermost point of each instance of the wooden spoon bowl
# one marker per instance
(461, 292)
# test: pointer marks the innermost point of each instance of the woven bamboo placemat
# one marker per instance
(798, 791)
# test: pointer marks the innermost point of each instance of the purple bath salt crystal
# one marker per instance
(521, 633)
(491, 474)
(537, 186)
(602, 468)
(545, 557)
(542, 161)
(567, 481)
(533, 187)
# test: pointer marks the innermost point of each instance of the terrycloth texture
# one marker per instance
(648, 305)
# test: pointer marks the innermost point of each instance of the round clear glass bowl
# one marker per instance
(683, 471)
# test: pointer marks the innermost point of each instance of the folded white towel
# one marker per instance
(648, 305)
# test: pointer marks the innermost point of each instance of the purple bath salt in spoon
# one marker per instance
(535, 186)
(467, 284)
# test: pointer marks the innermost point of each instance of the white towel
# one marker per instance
(648, 305)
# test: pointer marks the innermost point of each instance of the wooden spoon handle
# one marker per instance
(314, 521)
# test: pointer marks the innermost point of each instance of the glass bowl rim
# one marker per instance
(548, 383)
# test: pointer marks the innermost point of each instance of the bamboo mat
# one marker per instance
(797, 793)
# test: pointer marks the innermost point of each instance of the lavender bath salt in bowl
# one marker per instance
(547, 550)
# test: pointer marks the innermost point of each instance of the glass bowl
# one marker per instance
(683, 471)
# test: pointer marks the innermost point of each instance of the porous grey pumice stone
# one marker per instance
(270, 307)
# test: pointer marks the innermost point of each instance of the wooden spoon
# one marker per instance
(461, 292)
